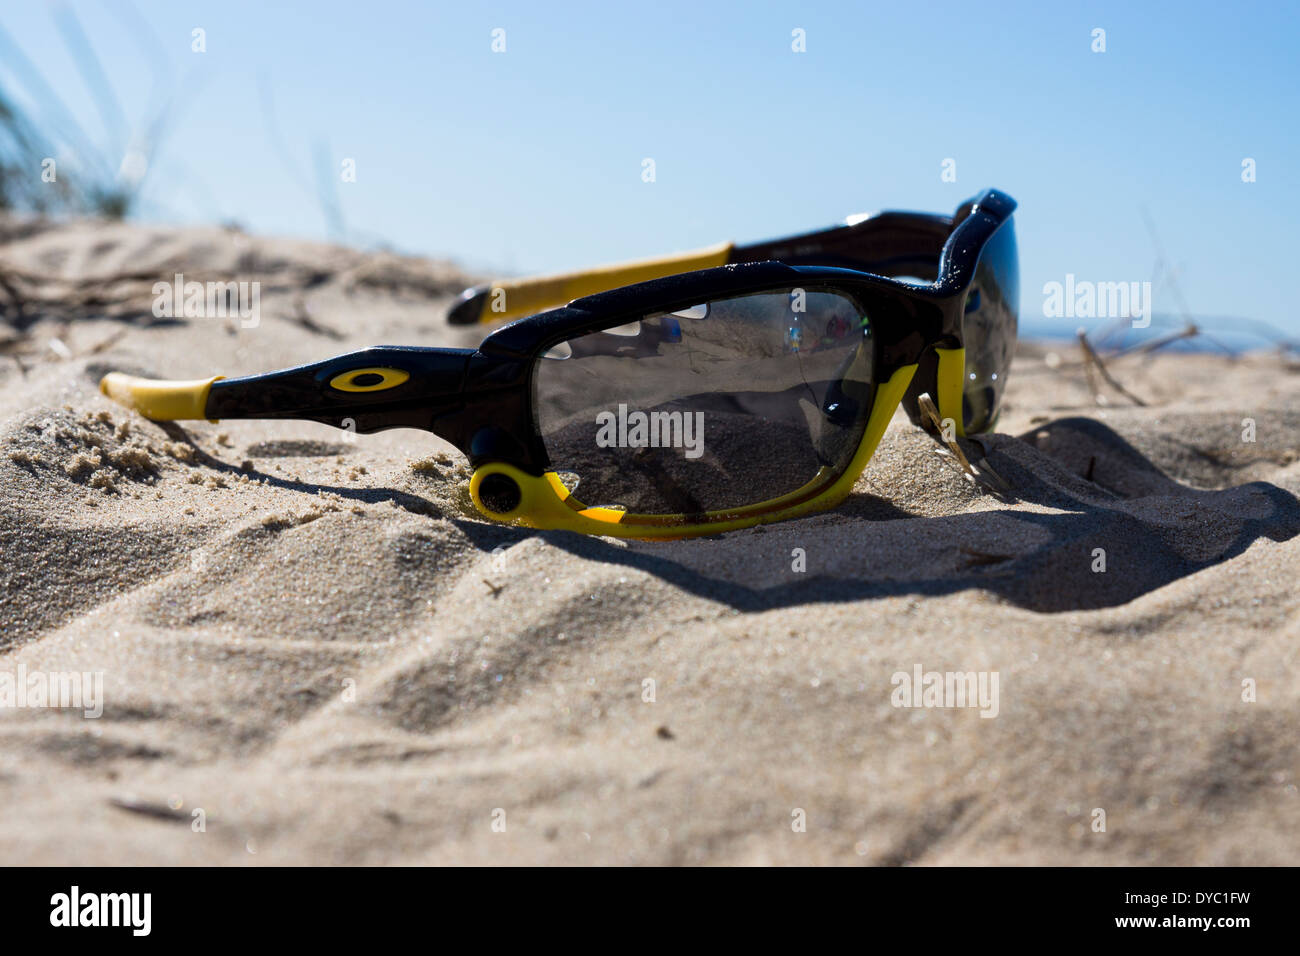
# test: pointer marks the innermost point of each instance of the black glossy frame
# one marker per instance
(480, 400)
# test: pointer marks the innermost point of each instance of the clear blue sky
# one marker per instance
(531, 160)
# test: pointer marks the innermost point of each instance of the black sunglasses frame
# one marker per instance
(481, 400)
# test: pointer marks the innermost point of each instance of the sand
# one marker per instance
(314, 651)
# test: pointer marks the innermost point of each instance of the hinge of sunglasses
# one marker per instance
(985, 478)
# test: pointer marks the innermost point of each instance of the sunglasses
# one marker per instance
(697, 399)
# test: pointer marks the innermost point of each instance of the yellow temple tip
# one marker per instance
(159, 400)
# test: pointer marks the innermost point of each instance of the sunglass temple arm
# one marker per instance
(364, 391)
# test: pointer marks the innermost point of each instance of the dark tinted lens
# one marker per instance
(709, 408)
(990, 327)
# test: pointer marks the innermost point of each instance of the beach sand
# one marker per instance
(318, 644)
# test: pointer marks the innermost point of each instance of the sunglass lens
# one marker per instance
(989, 328)
(712, 407)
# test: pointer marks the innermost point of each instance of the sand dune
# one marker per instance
(318, 643)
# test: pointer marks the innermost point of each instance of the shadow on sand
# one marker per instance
(1102, 494)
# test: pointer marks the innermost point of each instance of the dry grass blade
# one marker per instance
(159, 811)
(1093, 360)
(1142, 348)
(984, 477)
(931, 412)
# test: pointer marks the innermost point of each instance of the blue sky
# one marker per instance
(531, 160)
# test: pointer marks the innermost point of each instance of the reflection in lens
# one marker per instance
(709, 409)
(990, 326)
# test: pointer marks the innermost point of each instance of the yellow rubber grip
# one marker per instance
(161, 401)
(512, 298)
(951, 382)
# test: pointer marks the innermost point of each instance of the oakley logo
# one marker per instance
(208, 300)
(923, 688)
(1098, 300)
(637, 429)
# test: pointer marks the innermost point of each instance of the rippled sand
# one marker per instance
(319, 644)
